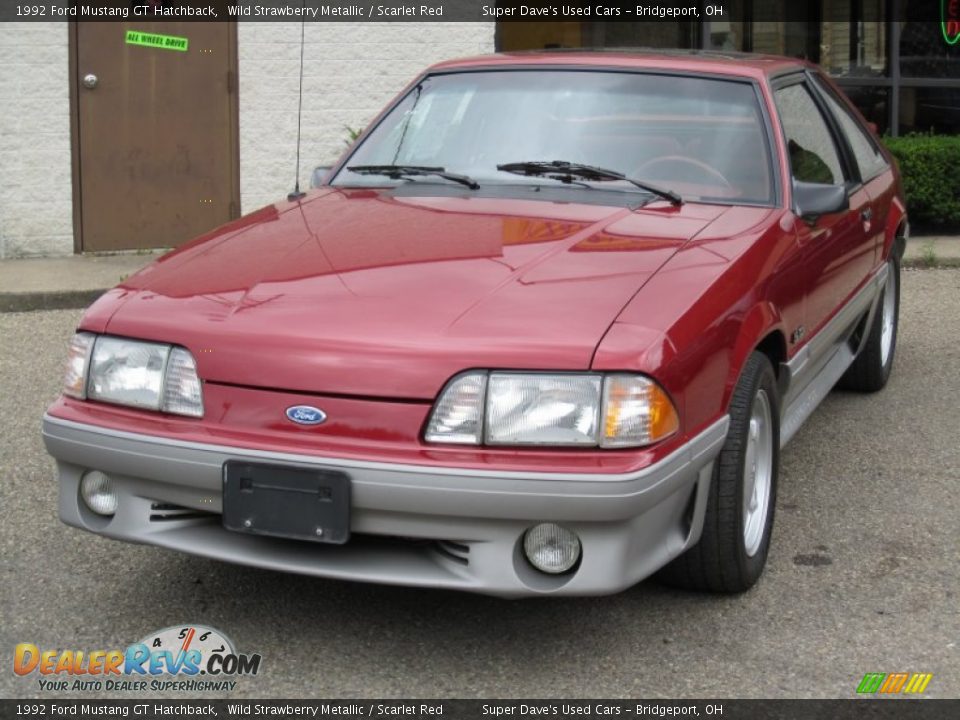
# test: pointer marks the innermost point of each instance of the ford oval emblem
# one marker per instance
(306, 415)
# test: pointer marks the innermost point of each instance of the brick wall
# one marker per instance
(350, 71)
(36, 211)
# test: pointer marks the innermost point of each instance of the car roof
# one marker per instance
(748, 65)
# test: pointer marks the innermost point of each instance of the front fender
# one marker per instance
(762, 326)
(694, 323)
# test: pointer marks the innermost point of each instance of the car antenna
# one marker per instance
(297, 193)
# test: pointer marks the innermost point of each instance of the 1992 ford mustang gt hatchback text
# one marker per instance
(543, 330)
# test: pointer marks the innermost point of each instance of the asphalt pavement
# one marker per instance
(864, 572)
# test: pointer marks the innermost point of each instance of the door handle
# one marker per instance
(90, 81)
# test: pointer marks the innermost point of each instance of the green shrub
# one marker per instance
(930, 167)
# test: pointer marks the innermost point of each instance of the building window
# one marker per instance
(925, 50)
(896, 62)
(845, 37)
(873, 103)
(513, 36)
(930, 110)
(661, 34)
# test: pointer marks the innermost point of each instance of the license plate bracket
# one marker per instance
(288, 502)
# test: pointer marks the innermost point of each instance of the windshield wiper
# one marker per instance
(398, 172)
(566, 171)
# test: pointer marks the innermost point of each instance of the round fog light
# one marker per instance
(98, 493)
(551, 549)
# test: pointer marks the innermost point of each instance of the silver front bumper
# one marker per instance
(411, 525)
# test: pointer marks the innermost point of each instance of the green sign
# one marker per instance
(162, 42)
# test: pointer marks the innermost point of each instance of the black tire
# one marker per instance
(869, 371)
(719, 562)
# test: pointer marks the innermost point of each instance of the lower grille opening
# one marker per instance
(686, 521)
(452, 550)
(458, 552)
(166, 512)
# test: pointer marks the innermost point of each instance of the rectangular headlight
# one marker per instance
(127, 372)
(148, 375)
(527, 409)
(615, 410)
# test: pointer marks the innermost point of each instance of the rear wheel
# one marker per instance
(870, 370)
(732, 551)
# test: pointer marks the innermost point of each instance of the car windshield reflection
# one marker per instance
(703, 138)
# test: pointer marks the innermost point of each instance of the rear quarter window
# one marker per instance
(869, 158)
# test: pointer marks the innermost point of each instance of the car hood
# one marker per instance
(363, 292)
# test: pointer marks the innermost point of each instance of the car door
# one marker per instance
(837, 248)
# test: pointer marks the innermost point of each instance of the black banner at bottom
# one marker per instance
(901, 709)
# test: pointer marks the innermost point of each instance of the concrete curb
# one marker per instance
(48, 300)
(937, 264)
(64, 282)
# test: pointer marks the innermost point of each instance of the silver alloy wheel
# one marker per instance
(889, 317)
(757, 473)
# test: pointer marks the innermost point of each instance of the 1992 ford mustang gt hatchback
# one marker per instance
(544, 329)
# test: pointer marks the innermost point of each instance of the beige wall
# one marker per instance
(350, 71)
(36, 211)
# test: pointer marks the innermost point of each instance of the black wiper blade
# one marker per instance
(560, 169)
(398, 172)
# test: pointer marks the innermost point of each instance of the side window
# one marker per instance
(813, 154)
(869, 158)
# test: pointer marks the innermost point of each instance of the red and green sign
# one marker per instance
(950, 20)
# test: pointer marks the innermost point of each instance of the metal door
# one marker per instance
(155, 128)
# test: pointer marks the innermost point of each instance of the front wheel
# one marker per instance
(870, 370)
(732, 551)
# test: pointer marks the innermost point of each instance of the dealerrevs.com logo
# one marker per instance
(189, 658)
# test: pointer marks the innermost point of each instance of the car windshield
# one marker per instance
(700, 137)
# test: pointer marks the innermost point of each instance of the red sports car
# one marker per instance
(543, 329)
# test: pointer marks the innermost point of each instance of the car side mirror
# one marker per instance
(812, 200)
(319, 174)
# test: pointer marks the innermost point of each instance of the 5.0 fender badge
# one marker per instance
(306, 415)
